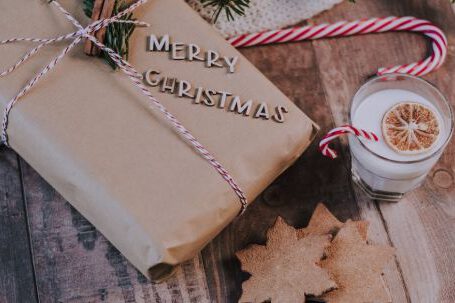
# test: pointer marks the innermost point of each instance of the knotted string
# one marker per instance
(88, 33)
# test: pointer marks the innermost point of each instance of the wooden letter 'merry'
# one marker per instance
(190, 52)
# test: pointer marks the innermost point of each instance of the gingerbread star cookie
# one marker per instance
(356, 267)
(286, 269)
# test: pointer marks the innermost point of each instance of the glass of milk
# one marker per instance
(379, 170)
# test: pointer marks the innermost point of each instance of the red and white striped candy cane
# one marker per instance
(358, 27)
(345, 28)
(340, 131)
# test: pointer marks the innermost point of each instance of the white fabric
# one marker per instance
(265, 15)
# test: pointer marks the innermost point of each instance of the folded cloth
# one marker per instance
(265, 15)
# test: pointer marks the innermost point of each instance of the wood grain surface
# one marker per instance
(50, 253)
(16, 266)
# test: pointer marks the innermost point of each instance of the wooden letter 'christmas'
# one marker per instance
(200, 95)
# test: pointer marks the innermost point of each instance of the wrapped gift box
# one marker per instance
(90, 133)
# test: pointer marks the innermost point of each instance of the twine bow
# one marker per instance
(88, 33)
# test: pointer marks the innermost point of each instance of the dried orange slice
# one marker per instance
(410, 128)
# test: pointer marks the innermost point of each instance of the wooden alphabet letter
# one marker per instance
(262, 111)
(153, 44)
(223, 98)
(175, 49)
(148, 80)
(198, 95)
(208, 100)
(212, 58)
(279, 116)
(193, 52)
(237, 106)
(165, 86)
(184, 89)
(231, 62)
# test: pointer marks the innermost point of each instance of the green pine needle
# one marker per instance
(230, 7)
(117, 34)
(88, 7)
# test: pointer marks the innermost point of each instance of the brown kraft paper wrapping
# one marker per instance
(90, 133)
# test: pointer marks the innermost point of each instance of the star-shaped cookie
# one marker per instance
(286, 268)
(356, 267)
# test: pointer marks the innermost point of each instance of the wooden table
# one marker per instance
(50, 253)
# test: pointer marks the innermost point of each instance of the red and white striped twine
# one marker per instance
(125, 67)
(345, 28)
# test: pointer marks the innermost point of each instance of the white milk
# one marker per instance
(381, 168)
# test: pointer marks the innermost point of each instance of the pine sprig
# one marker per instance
(230, 7)
(88, 7)
(117, 34)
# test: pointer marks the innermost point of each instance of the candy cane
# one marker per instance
(340, 131)
(345, 28)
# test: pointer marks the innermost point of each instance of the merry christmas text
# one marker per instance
(190, 52)
(211, 97)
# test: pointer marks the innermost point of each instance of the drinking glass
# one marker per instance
(384, 177)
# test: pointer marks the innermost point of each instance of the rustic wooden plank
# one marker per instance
(421, 225)
(16, 270)
(75, 263)
(378, 233)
